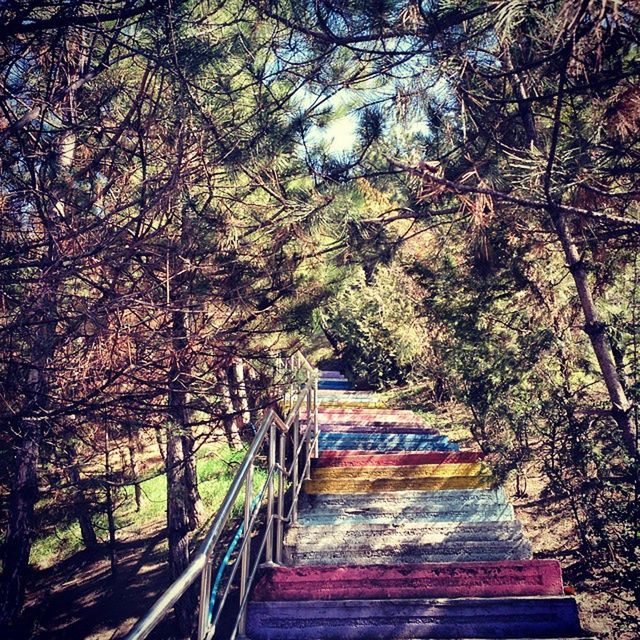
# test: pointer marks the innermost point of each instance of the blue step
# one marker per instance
(337, 441)
(334, 385)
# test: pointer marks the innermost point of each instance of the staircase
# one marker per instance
(402, 535)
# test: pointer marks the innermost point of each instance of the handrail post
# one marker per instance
(280, 519)
(308, 431)
(246, 552)
(271, 471)
(205, 596)
(315, 416)
(294, 469)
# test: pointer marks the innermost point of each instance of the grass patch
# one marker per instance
(216, 467)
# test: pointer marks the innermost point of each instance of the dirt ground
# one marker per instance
(78, 599)
(606, 611)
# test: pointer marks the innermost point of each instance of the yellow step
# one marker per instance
(445, 470)
(403, 484)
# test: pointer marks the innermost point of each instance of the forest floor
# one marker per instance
(72, 593)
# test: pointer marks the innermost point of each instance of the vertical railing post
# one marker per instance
(205, 598)
(294, 468)
(310, 428)
(246, 552)
(315, 414)
(271, 471)
(280, 517)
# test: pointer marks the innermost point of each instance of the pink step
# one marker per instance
(386, 427)
(363, 458)
(369, 412)
(435, 580)
(327, 418)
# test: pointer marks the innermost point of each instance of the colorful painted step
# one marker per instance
(403, 509)
(402, 535)
(390, 501)
(405, 543)
(374, 414)
(328, 375)
(365, 415)
(375, 458)
(379, 427)
(397, 484)
(402, 472)
(523, 617)
(442, 580)
(385, 442)
(334, 384)
(422, 513)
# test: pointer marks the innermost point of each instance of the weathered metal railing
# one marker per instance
(285, 469)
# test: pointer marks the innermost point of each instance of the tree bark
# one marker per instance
(238, 389)
(596, 329)
(132, 446)
(229, 420)
(83, 512)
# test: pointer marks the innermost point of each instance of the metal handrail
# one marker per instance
(201, 564)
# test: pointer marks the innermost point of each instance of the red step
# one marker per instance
(434, 580)
(363, 458)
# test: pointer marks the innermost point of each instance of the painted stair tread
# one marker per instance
(330, 373)
(443, 580)
(376, 416)
(385, 442)
(456, 498)
(387, 447)
(418, 618)
(359, 458)
(371, 413)
(444, 470)
(334, 384)
(425, 513)
(384, 427)
(325, 485)
(384, 535)
(409, 543)
(381, 437)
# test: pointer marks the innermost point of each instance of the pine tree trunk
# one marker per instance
(83, 512)
(17, 545)
(229, 420)
(238, 389)
(110, 507)
(178, 528)
(133, 465)
(596, 329)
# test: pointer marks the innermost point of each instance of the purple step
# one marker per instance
(443, 580)
(499, 618)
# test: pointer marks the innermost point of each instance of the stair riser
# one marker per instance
(457, 618)
(478, 579)
(365, 459)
